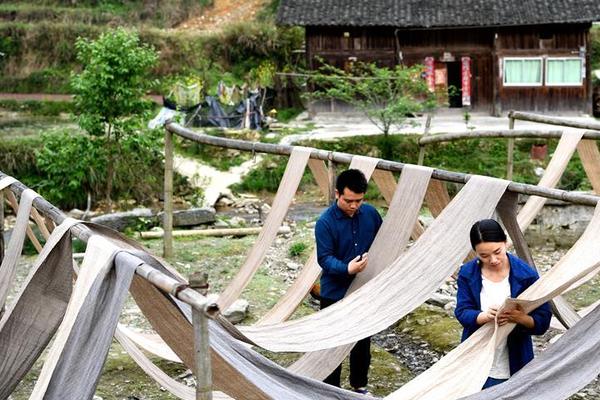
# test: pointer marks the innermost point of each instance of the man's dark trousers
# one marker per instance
(360, 359)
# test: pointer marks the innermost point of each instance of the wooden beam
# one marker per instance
(544, 119)
(345, 158)
(506, 134)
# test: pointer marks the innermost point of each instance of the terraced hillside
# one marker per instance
(194, 37)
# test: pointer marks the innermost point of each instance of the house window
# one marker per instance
(564, 71)
(523, 71)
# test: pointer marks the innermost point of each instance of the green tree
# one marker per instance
(109, 89)
(387, 96)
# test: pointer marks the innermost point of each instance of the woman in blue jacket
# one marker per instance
(483, 285)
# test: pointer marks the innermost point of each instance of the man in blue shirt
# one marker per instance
(344, 233)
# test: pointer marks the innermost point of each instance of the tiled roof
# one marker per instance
(436, 13)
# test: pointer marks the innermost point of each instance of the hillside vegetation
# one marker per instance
(37, 40)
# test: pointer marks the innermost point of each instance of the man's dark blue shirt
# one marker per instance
(340, 239)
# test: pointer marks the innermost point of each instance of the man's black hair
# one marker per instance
(352, 179)
(486, 230)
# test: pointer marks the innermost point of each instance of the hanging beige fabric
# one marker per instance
(390, 242)
(46, 291)
(9, 263)
(559, 371)
(563, 153)
(400, 288)
(12, 200)
(237, 371)
(590, 159)
(285, 194)
(288, 303)
(158, 375)
(75, 360)
(386, 183)
(464, 370)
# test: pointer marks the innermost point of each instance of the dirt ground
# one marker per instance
(223, 13)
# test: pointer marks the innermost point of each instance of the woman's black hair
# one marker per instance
(352, 179)
(486, 230)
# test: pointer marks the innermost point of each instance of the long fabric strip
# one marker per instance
(560, 371)
(590, 159)
(464, 370)
(285, 194)
(36, 312)
(76, 358)
(390, 242)
(563, 153)
(403, 286)
(288, 303)
(237, 371)
(13, 251)
(175, 388)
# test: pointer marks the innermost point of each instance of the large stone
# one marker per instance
(121, 220)
(237, 311)
(440, 300)
(192, 217)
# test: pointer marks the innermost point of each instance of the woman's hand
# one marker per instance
(517, 316)
(486, 316)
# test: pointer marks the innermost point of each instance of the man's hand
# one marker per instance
(516, 315)
(358, 264)
(486, 316)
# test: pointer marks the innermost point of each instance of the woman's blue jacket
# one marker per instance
(468, 306)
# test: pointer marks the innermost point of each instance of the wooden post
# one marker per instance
(168, 202)
(199, 282)
(425, 133)
(331, 168)
(510, 151)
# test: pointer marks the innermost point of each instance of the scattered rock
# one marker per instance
(237, 311)
(192, 217)
(121, 220)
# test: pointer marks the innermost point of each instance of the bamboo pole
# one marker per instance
(425, 134)
(510, 153)
(544, 119)
(345, 158)
(331, 174)
(151, 274)
(516, 133)
(199, 282)
(168, 205)
(212, 232)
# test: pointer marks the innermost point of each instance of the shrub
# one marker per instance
(73, 165)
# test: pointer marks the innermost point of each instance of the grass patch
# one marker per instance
(433, 325)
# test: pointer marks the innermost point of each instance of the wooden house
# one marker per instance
(490, 55)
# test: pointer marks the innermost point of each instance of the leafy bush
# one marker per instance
(73, 165)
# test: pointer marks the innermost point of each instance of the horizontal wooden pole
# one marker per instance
(544, 119)
(212, 232)
(345, 158)
(509, 134)
(151, 274)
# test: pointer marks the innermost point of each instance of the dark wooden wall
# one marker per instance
(553, 41)
(485, 46)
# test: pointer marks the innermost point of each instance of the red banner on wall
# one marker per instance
(466, 80)
(429, 73)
